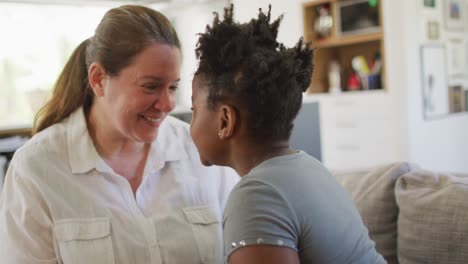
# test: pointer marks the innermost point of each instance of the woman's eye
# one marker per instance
(151, 87)
(173, 88)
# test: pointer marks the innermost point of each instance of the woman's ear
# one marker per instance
(96, 78)
(229, 120)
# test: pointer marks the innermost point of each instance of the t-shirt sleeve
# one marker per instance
(258, 214)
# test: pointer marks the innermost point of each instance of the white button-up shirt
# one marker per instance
(62, 203)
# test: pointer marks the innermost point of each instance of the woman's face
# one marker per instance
(204, 126)
(137, 100)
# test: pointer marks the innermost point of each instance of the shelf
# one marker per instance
(339, 47)
(347, 40)
(314, 96)
(317, 2)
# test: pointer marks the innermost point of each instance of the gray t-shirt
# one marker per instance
(293, 201)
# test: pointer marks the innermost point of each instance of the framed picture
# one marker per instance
(434, 81)
(429, 3)
(429, 7)
(432, 30)
(456, 99)
(454, 14)
(456, 57)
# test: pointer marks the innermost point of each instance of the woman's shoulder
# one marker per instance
(43, 143)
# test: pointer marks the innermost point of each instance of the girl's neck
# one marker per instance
(249, 156)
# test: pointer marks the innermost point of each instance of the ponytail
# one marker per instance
(71, 91)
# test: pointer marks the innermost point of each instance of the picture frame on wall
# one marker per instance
(432, 30)
(429, 7)
(456, 58)
(430, 4)
(454, 14)
(456, 99)
(434, 81)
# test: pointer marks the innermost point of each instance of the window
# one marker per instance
(37, 39)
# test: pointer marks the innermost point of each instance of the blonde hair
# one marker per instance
(122, 33)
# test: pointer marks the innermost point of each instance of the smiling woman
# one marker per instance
(146, 95)
(109, 176)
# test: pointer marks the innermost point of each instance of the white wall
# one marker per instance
(189, 20)
(291, 28)
(439, 144)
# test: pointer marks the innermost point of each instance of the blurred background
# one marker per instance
(38, 36)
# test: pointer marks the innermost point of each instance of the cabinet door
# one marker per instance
(358, 131)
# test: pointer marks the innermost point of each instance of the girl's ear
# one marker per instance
(229, 121)
(96, 78)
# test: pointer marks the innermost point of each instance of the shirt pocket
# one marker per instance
(207, 231)
(85, 240)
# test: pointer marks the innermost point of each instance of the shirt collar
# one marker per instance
(169, 145)
(81, 150)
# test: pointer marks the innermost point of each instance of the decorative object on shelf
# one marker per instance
(358, 17)
(370, 77)
(360, 65)
(434, 81)
(353, 83)
(376, 66)
(454, 14)
(324, 22)
(334, 77)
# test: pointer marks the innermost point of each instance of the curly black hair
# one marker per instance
(244, 63)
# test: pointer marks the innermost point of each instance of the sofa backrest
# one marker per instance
(413, 215)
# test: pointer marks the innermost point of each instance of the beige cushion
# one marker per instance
(373, 194)
(433, 220)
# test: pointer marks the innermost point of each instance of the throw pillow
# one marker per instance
(433, 220)
(374, 195)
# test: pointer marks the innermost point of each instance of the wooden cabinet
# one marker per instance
(340, 45)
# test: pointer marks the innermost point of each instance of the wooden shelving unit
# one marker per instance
(350, 40)
(340, 47)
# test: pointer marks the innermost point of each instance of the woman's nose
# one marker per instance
(165, 101)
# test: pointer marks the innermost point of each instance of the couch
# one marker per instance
(413, 215)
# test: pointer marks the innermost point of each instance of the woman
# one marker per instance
(287, 208)
(109, 177)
